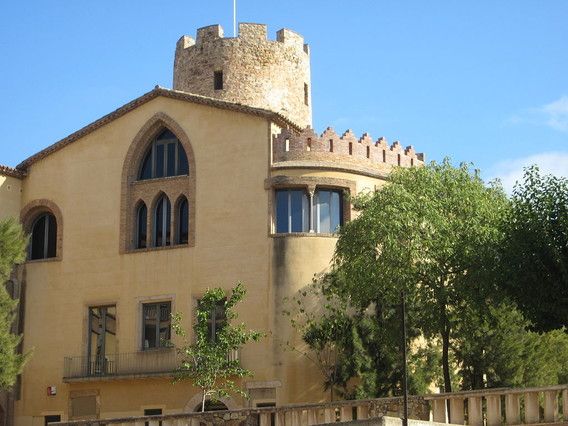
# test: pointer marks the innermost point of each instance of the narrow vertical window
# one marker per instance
(141, 222)
(350, 148)
(331, 145)
(156, 327)
(182, 232)
(43, 243)
(384, 156)
(306, 94)
(368, 151)
(162, 221)
(309, 144)
(218, 80)
(398, 159)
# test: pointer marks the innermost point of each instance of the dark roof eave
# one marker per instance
(10, 171)
(157, 91)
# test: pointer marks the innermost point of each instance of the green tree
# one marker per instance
(429, 232)
(495, 348)
(356, 349)
(12, 251)
(206, 361)
(535, 252)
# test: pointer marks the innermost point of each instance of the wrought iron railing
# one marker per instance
(150, 362)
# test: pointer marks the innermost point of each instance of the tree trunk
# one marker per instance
(203, 402)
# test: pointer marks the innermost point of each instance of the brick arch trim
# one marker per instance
(133, 190)
(32, 210)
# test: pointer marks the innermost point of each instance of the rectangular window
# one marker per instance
(218, 80)
(328, 215)
(153, 412)
(292, 211)
(156, 325)
(216, 319)
(306, 94)
(102, 346)
(51, 419)
(159, 160)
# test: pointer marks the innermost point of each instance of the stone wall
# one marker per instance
(257, 72)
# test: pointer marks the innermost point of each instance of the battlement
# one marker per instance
(248, 32)
(347, 150)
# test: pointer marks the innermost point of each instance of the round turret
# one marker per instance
(248, 69)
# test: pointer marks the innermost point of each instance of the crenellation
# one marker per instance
(291, 38)
(184, 42)
(209, 33)
(253, 32)
(347, 149)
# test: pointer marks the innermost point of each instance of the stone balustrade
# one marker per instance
(490, 407)
(485, 407)
(289, 415)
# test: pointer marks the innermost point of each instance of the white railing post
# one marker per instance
(512, 409)
(493, 410)
(312, 417)
(439, 410)
(565, 404)
(532, 407)
(265, 419)
(346, 413)
(362, 412)
(329, 415)
(475, 411)
(457, 411)
(281, 418)
(550, 406)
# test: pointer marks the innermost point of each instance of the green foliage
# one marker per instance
(429, 232)
(12, 251)
(356, 349)
(206, 361)
(535, 253)
(495, 349)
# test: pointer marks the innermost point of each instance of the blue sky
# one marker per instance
(483, 81)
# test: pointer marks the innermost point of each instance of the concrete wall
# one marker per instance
(10, 197)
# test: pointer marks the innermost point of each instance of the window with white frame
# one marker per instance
(296, 211)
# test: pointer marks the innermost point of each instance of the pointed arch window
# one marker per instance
(43, 241)
(141, 225)
(165, 157)
(182, 214)
(162, 222)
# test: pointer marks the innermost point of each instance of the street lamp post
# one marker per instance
(404, 367)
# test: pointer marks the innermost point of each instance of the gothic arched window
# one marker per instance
(165, 157)
(141, 224)
(43, 242)
(162, 222)
(182, 221)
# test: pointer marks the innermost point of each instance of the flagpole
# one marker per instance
(234, 18)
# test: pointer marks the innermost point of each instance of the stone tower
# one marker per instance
(248, 69)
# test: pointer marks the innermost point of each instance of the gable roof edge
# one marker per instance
(275, 117)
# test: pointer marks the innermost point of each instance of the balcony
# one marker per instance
(150, 363)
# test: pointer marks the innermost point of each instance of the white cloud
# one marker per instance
(556, 114)
(553, 115)
(511, 170)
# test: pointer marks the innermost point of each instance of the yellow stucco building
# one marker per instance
(134, 216)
